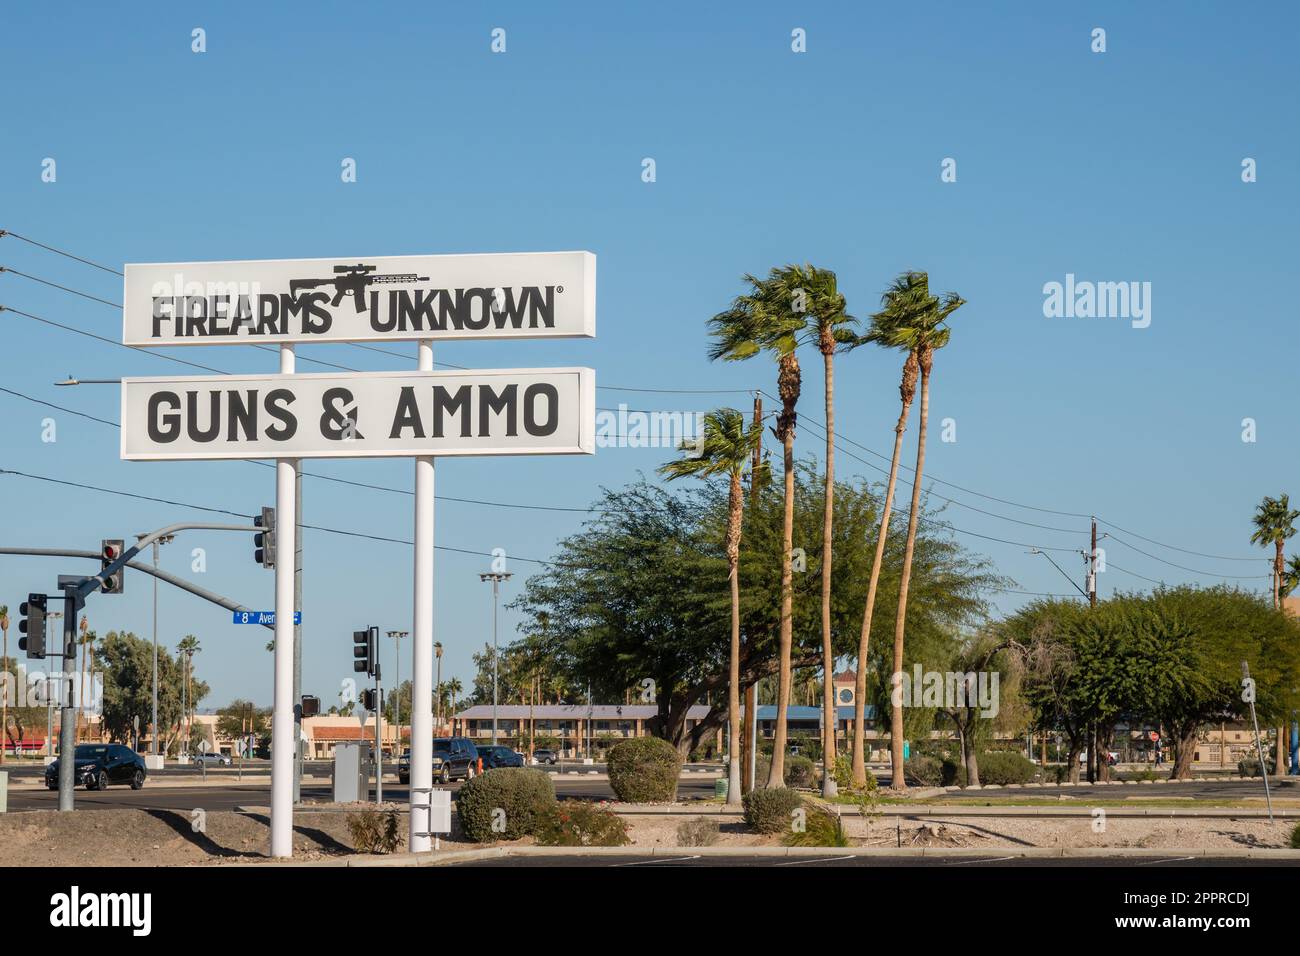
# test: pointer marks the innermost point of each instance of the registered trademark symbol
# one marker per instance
(559, 288)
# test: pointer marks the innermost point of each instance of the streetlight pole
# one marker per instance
(496, 577)
(437, 695)
(397, 684)
(153, 728)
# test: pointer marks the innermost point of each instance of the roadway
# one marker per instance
(836, 859)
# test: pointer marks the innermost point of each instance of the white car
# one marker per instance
(207, 759)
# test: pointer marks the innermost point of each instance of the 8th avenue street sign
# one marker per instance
(370, 415)
(372, 298)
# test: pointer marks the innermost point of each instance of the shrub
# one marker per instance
(523, 797)
(799, 771)
(582, 823)
(698, 831)
(1250, 766)
(1146, 773)
(374, 831)
(953, 773)
(822, 827)
(923, 771)
(1295, 837)
(762, 767)
(768, 810)
(1059, 772)
(1006, 766)
(843, 773)
(644, 770)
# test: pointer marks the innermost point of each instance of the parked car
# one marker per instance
(546, 756)
(212, 760)
(454, 758)
(497, 756)
(98, 765)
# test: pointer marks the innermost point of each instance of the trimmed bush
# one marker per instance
(1295, 837)
(644, 770)
(923, 771)
(697, 831)
(822, 827)
(843, 774)
(582, 823)
(1005, 766)
(1250, 766)
(523, 796)
(953, 773)
(373, 831)
(768, 810)
(800, 771)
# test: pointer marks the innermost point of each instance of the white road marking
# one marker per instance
(996, 859)
(675, 859)
(820, 859)
(1177, 859)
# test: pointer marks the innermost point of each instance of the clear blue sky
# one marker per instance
(1122, 166)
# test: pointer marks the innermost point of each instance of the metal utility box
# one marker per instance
(351, 773)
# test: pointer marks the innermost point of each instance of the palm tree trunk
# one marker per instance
(735, 515)
(776, 775)
(907, 391)
(829, 748)
(900, 624)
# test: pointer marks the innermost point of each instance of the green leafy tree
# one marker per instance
(127, 667)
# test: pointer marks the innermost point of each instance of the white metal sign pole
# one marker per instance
(421, 774)
(282, 729)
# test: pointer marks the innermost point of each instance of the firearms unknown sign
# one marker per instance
(364, 415)
(374, 298)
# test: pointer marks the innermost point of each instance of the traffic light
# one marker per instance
(310, 705)
(264, 541)
(368, 700)
(110, 549)
(363, 649)
(32, 626)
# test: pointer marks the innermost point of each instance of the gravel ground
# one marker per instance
(168, 838)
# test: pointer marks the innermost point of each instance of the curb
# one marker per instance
(488, 853)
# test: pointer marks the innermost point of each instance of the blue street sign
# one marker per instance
(261, 617)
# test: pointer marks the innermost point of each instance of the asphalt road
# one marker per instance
(234, 795)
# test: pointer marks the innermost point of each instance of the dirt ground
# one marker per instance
(170, 838)
(1003, 832)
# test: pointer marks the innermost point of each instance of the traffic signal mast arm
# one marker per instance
(89, 586)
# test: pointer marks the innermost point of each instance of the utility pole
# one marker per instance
(297, 636)
(397, 684)
(496, 577)
(153, 728)
(1094, 757)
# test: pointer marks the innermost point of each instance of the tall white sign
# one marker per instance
(362, 415)
(360, 299)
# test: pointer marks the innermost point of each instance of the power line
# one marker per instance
(10, 232)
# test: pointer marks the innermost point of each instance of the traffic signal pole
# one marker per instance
(67, 727)
(421, 773)
(283, 743)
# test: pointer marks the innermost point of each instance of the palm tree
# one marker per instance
(924, 332)
(1292, 578)
(1274, 523)
(725, 448)
(4, 687)
(762, 321)
(898, 308)
(828, 327)
(454, 689)
(186, 649)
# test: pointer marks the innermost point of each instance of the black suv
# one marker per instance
(98, 765)
(497, 756)
(453, 758)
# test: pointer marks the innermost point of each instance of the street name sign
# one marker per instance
(361, 299)
(261, 617)
(363, 415)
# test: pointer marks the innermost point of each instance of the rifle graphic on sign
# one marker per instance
(352, 280)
